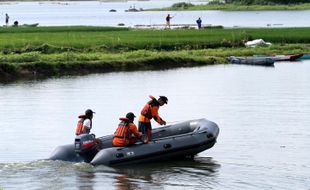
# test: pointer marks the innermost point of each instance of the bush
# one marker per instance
(215, 2)
(268, 2)
(252, 2)
(182, 5)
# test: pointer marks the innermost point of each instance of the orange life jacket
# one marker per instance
(147, 109)
(80, 125)
(123, 130)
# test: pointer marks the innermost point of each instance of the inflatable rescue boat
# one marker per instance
(174, 141)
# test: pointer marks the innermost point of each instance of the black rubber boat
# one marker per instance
(169, 142)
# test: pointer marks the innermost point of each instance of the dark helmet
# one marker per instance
(130, 116)
(89, 112)
(164, 99)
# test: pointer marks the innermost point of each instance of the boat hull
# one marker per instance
(259, 61)
(291, 57)
(170, 142)
(305, 56)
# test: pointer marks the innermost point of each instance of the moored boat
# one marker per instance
(305, 56)
(289, 57)
(260, 61)
(169, 142)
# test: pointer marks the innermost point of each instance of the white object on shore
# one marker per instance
(257, 42)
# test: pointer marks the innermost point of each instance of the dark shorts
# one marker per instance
(146, 129)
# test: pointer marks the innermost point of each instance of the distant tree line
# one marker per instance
(260, 2)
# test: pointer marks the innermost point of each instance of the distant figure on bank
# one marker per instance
(126, 133)
(7, 19)
(168, 18)
(150, 111)
(85, 123)
(199, 21)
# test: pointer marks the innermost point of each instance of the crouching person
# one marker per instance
(126, 133)
(82, 132)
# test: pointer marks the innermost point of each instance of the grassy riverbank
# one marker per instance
(234, 7)
(57, 51)
(87, 39)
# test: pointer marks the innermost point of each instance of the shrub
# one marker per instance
(215, 2)
(182, 5)
(268, 2)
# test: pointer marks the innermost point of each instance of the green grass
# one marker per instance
(56, 51)
(141, 55)
(80, 39)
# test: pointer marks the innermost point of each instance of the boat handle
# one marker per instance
(119, 155)
(202, 131)
(166, 146)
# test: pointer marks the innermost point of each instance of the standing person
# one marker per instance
(168, 18)
(199, 21)
(84, 125)
(7, 19)
(149, 111)
(126, 133)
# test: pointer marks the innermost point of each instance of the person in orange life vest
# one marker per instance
(84, 125)
(126, 133)
(149, 111)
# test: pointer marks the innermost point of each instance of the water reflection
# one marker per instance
(197, 173)
(85, 180)
(181, 173)
(124, 183)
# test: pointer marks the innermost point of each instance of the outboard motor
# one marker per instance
(86, 146)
